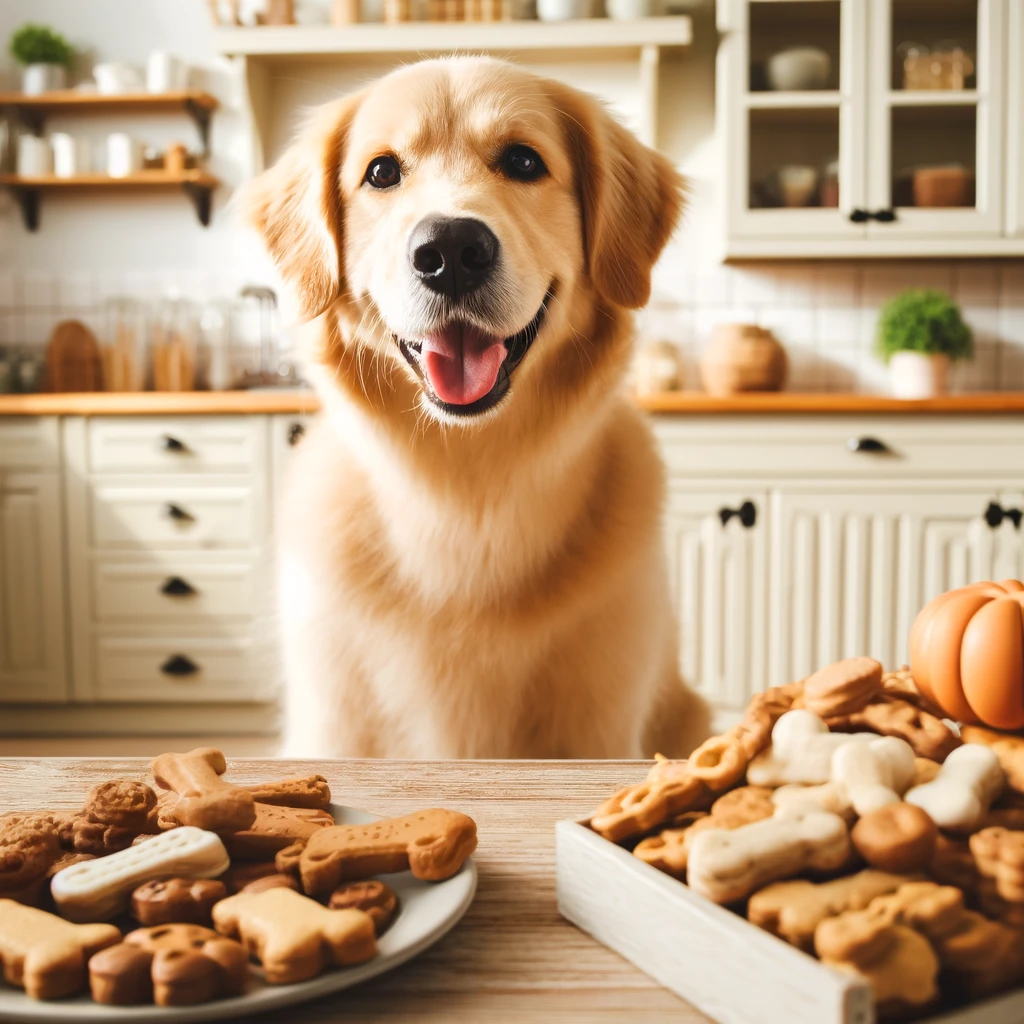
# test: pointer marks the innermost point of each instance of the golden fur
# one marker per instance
(491, 586)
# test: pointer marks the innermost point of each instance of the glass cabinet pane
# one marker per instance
(935, 44)
(794, 158)
(933, 156)
(794, 45)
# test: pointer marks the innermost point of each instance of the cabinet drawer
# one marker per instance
(181, 668)
(173, 516)
(174, 444)
(175, 591)
(29, 442)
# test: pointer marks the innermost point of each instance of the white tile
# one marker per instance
(712, 286)
(1010, 376)
(837, 284)
(837, 326)
(707, 318)
(976, 284)
(795, 284)
(1012, 285)
(868, 328)
(109, 285)
(977, 374)
(75, 291)
(754, 286)
(842, 367)
(36, 328)
(792, 326)
(883, 281)
(806, 370)
(37, 290)
(8, 329)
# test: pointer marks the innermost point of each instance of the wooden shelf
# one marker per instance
(794, 100)
(933, 97)
(448, 37)
(198, 185)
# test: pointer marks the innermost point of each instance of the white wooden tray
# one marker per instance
(733, 971)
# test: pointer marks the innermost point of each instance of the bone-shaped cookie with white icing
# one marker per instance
(875, 773)
(726, 866)
(958, 798)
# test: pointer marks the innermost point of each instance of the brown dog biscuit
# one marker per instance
(763, 711)
(927, 735)
(121, 802)
(311, 791)
(204, 798)
(843, 687)
(999, 855)
(372, 897)
(743, 806)
(67, 860)
(793, 910)
(275, 881)
(83, 835)
(26, 854)
(294, 937)
(953, 864)
(719, 762)
(238, 876)
(669, 851)
(1009, 749)
(433, 844)
(986, 895)
(45, 955)
(170, 965)
(275, 828)
(176, 901)
(640, 808)
(898, 837)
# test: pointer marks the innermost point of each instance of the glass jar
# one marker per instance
(124, 344)
(174, 344)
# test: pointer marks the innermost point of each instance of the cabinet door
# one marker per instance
(851, 569)
(32, 663)
(717, 575)
(935, 128)
(794, 146)
(1015, 121)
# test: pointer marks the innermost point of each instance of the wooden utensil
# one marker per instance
(73, 360)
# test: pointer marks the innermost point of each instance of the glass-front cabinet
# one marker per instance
(871, 127)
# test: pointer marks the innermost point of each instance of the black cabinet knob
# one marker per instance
(746, 513)
(177, 513)
(869, 445)
(172, 444)
(296, 432)
(175, 586)
(884, 216)
(859, 216)
(179, 665)
(995, 514)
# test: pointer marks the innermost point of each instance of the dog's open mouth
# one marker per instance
(465, 370)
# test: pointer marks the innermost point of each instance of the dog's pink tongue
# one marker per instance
(462, 363)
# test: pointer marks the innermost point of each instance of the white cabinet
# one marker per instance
(32, 649)
(884, 156)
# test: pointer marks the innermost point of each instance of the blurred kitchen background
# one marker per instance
(833, 354)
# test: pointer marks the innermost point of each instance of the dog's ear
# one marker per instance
(630, 198)
(296, 207)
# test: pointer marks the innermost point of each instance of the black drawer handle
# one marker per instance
(172, 444)
(868, 444)
(883, 216)
(859, 216)
(296, 432)
(746, 513)
(995, 514)
(179, 665)
(177, 513)
(175, 586)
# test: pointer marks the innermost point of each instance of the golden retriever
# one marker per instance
(471, 560)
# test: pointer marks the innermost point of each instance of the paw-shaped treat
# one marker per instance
(176, 901)
(204, 799)
(171, 965)
(294, 937)
(45, 955)
(372, 897)
(843, 687)
(999, 855)
(433, 844)
(898, 838)
(960, 795)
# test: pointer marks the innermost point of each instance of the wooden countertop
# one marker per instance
(680, 403)
(512, 958)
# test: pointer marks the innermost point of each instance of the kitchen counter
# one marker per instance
(301, 401)
(512, 957)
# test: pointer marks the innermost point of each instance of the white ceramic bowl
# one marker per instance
(798, 69)
(797, 183)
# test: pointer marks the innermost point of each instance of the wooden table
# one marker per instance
(512, 959)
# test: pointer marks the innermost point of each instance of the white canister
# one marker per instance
(39, 78)
(165, 73)
(72, 155)
(632, 10)
(117, 78)
(35, 158)
(564, 10)
(124, 155)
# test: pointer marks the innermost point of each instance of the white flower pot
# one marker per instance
(917, 375)
(39, 78)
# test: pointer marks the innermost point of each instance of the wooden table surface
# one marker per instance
(512, 959)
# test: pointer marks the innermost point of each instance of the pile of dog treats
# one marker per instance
(200, 874)
(846, 817)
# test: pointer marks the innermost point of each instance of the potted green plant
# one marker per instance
(44, 55)
(919, 333)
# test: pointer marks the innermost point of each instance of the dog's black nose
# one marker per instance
(452, 255)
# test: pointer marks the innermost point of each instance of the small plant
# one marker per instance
(925, 321)
(37, 44)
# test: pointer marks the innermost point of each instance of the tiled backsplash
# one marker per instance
(824, 313)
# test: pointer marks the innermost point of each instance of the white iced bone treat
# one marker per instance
(97, 890)
(801, 751)
(729, 865)
(958, 798)
(873, 774)
(827, 797)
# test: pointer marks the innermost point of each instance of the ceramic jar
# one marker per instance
(916, 375)
(743, 357)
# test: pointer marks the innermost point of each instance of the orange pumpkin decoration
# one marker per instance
(967, 653)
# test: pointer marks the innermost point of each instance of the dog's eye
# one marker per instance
(383, 172)
(522, 163)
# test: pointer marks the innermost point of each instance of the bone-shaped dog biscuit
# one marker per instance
(43, 954)
(729, 866)
(999, 855)
(204, 798)
(310, 791)
(294, 937)
(801, 751)
(960, 795)
(433, 844)
(97, 890)
(873, 773)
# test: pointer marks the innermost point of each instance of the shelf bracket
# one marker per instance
(202, 200)
(201, 115)
(28, 200)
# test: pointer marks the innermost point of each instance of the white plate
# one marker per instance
(426, 911)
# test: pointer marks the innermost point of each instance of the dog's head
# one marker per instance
(458, 214)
